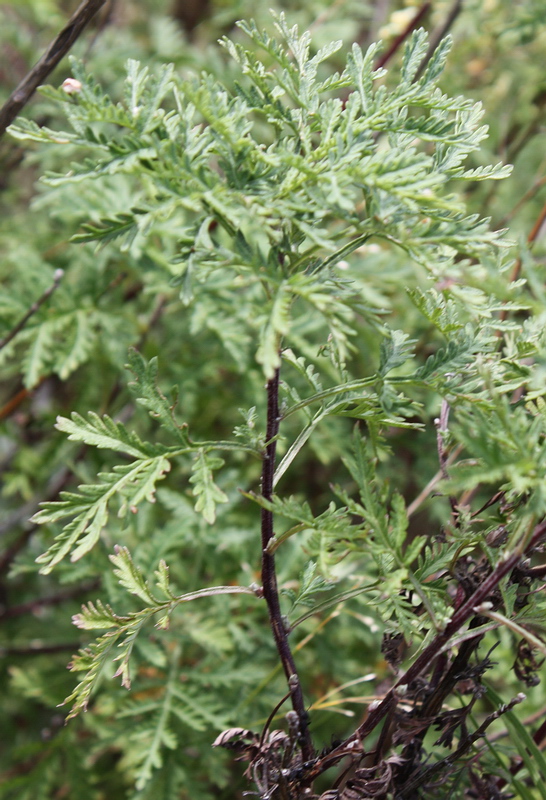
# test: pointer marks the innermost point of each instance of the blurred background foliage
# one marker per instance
(109, 300)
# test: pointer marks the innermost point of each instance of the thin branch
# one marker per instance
(465, 611)
(269, 577)
(530, 720)
(439, 34)
(441, 429)
(529, 194)
(535, 230)
(538, 737)
(426, 774)
(422, 496)
(39, 649)
(57, 278)
(399, 41)
(58, 48)
(52, 600)
(15, 401)
(57, 485)
(380, 12)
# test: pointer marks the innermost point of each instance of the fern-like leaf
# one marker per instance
(89, 508)
(149, 395)
(208, 494)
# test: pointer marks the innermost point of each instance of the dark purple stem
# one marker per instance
(269, 577)
(58, 48)
(424, 661)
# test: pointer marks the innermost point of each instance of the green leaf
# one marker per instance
(133, 483)
(414, 53)
(276, 325)
(395, 351)
(130, 576)
(121, 226)
(106, 434)
(149, 395)
(208, 494)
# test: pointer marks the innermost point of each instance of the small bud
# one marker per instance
(293, 721)
(71, 86)
(483, 608)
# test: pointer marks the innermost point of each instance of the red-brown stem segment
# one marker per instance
(269, 577)
(535, 230)
(425, 8)
(460, 617)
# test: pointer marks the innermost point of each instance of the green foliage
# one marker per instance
(281, 204)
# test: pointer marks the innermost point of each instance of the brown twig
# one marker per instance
(57, 278)
(529, 194)
(52, 600)
(39, 649)
(14, 402)
(441, 429)
(535, 230)
(530, 720)
(399, 41)
(269, 577)
(465, 611)
(439, 34)
(57, 485)
(58, 48)
(424, 493)
(425, 775)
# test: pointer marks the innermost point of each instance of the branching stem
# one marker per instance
(269, 576)
(429, 654)
(58, 48)
(57, 278)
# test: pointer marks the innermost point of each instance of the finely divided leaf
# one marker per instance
(89, 508)
(130, 576)
(205, 490)
(106, 434)
(396, 349)
(149, 395)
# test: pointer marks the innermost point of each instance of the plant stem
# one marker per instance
(535, 230)
(57, 278)
(399, 41)
(32, 606)
(439, 34)
(269, 576)
(425, 659)
(58, 48)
